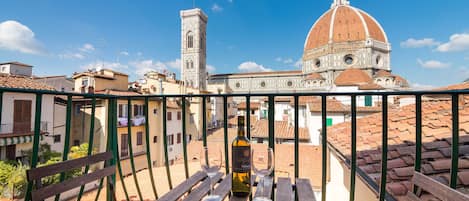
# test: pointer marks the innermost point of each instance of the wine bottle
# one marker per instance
(241, 162)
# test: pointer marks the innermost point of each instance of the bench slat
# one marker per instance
(268, 181)
(284, 189)
(412, 197)
(200, 191)
(40, 172)
(184, 187)
(43, 193)
(304, 190)
(224, 188)
(438, 189)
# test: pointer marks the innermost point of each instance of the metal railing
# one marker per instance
(112, 144)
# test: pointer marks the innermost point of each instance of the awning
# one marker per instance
(17, 140)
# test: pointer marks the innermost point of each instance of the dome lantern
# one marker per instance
(339, 3)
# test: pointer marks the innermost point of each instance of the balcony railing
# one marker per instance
(21, 128)
(351, 160)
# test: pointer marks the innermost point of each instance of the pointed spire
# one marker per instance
(339, 3)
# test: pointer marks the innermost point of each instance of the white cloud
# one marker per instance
(18, 37)
(210, 68)
(417, 43)
(125, 53)
(88, 48)
(250, 66)
(72, 56)
(216, 8)
(174, 64)
(433, 64)
(105, 64)
(299, 63)
(418, 86)
(145, 66)
(284, 60)
(456, 43)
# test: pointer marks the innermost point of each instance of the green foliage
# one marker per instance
(79, 151)
(12, 180)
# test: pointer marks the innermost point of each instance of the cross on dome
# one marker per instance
(339, 3)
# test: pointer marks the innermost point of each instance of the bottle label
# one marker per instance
(241, 159)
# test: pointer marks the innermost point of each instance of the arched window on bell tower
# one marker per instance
(190, 40)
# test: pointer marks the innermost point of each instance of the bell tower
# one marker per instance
(193, 48)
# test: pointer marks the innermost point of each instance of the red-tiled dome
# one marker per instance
(344, 23)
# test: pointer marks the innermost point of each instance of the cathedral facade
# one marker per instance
(345, 49)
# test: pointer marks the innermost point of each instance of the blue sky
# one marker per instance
(430, 39)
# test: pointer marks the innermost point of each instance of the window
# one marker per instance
(170, 139)
(56, 138)
(190, 40)
(253, 112)
(329, 122)
(192, 119)
(317, 63)
(138, 110)
(262, 84)
(76, 142)
(285, 111)
(155, 139)
(139, 138)
(378, 60)
(84, 82)
(122, 111)
(155, 111)
(178, 139)
(238, 85)
(368, 101)
(168, 116)
(348, 59)
(290, 83)
(124, 145)
(192, 64)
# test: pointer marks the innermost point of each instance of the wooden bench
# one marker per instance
(36, 174)
(437, 189)
(197, 186)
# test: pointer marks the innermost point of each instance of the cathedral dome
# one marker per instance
(344, 23)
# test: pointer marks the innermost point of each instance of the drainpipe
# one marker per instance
(161, 86)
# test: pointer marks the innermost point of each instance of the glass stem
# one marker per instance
(261, 189)
(210, 185)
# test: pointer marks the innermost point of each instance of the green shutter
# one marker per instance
(368, 101)
(329, 121)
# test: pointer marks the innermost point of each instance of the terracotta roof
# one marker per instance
(117, 92)
(383, 73)
(332, 105)
(21, 82)
(98, 74)
(460, 86)
(314, 76)
(347, 24)
(17, 63)
(172, 105)
(234, 120)
(253, 105)
(436, 138)
(371, 86)
(353, 77)
(282, 130)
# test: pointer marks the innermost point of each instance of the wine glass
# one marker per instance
(263, 165)
(210, 161)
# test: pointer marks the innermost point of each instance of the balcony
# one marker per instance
(368, 156)
(135, 121)
(20, 132)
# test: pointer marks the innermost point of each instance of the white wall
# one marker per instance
(279, 110)
(47, 113)
(173, 128)
(21, 70)
(314, 124)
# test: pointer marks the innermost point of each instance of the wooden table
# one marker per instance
(197, 186)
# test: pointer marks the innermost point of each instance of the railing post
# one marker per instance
(129, 142)
(418, 135)
(184, 137)
(384, 151)
(324, 147)
(90, 142)
(454, 140)
(112, 128)
(147, 139)
(272, 132)
(353, 164)
(225, 132)
(296, 133)
(66, 149)
(165, 142)
(204, 120)
(248, 117)
(37, 133)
